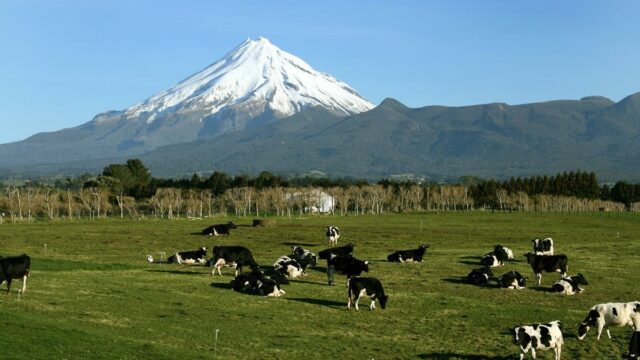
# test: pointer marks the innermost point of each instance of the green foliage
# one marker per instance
(132, 178)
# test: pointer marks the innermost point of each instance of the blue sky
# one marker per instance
(63, 61)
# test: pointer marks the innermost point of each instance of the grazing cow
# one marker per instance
(288, 267)
(346, 250)
(257, 283)
(569, 285)
(512, 280)
(539, 337)
(304, 257)
(333, 234)
(543, 247)
(346, 265)
(503, 253)
(408, 255)
(548, 263)
(15, 267)
(634, 347)
(490, 260)
(186, 257)
(232, 256)
(479, 276)
(371, 287)
(602, 316)
(219, 229)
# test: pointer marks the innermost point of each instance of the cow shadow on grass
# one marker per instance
(451, 356)
(541, 289)
(468, 262)
(307, 282)
(328, 303)
(463, 280)
(289, 243)
(177, 272)
(221, 286)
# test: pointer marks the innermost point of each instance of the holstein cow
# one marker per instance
(479, 276)
(602, 316)
(490, 260)
(543, 247)
(366, 286)
(288, 267)
(634, 347)
(539, 337)
(512, 280)
(569, 285)
(346, 250)
(15, 267)
(346, 265)
(232, 256)
(503, 253)
(548, 263)
(304, 257)
(219, 229)
(408, 255)
(257, 283)
(333, 234)
(186, 257)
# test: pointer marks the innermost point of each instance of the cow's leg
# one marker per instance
(24, 283)
(608, 334)
(600, 327)
(8, 286)
(330, 271)
(373, 305)
(538, 278)
(350, 299)
(357, 299)
(533, 353)
(558, 351)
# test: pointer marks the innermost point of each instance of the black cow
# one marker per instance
(408, 255)
(479, 276)
(569, 285)
(219, 229)
(233, 256)
(346, 265)
(304, 257)
(346, 250)
(512, 280)
(188, 257)
(548, 263)
(15, 267)
(366, 286)
(634, 347)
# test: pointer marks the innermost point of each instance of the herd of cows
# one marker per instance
(341, 259)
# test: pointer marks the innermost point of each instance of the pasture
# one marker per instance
(93, 295)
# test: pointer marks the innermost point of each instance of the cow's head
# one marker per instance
(298, 250)
(589, 321)
(519, 334)
(365, 266)
(383, 301)
(522, 281)
(231, 225)
(423, 246)
(580, 279)
(530, 256)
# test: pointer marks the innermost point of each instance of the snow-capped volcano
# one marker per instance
(256, 76)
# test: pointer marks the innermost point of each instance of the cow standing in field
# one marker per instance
(365, 286)
(333, 234)
(602, 316)
(346, 250)
(548, 263)
(543, 247)
(346, 265)
(232, 256)
(15, 267)
(539, 337)
(570, 285)
(219, 229)
(413, 255)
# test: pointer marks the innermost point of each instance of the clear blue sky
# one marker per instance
(63, 61)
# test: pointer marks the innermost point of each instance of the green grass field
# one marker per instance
(94, 296)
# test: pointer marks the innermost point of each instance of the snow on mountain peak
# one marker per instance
(256, 75)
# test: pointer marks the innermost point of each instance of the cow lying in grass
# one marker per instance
(413, 255)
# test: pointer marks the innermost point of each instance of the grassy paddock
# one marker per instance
(92, 295)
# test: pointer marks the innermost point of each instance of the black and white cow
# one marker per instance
(366, 286)
(232, 256)
(569, 285)
(288, 267)
(256, 282)
(304, 257)
(219, 229)
(490, 260)
(333, 234)
(503, 253)
(602, 316)
(186, 257)
(548, 263)
(346, 265)
(479, 276)
(543, 247)
(634, 347)
(413, 255)
(346, 250)
(539, 337)
(15, 267)
(512, 280)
